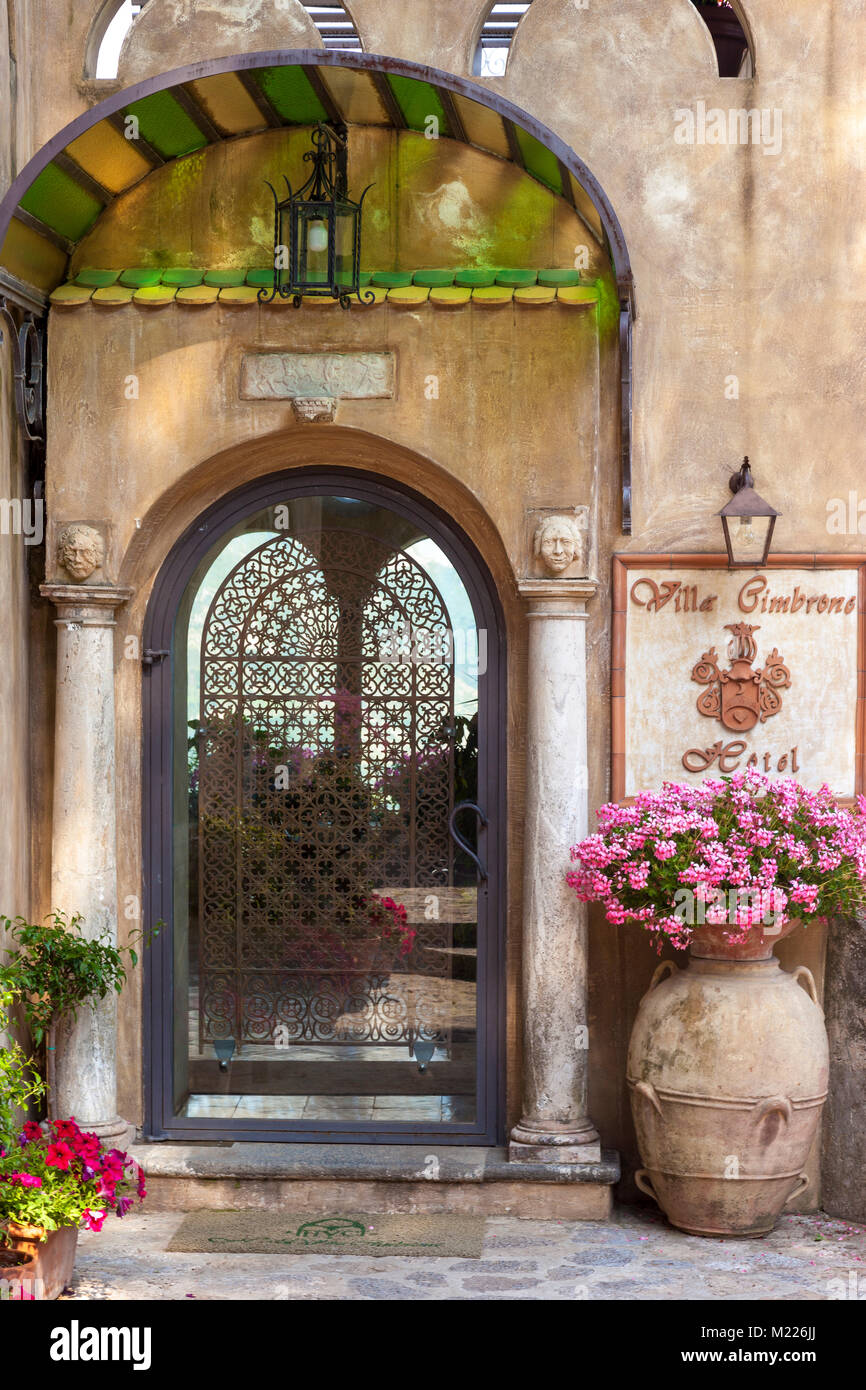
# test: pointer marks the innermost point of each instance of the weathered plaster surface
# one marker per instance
(165, 32)
(432, 203)
(749, 270)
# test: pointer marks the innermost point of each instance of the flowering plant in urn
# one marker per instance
(729, 1056)
(736, 861)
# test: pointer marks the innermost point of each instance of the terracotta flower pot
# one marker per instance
(53, 1259)
(727, 1068)
(18, 1273)
(713, 942)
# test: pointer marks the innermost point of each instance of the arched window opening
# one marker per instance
(333, 22)
(731, 44)
(496, 38)
(730, 40)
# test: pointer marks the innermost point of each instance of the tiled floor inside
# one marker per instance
(436, 1109)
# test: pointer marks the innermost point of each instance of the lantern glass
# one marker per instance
(313, 224)
(748, 538)
(346, 227)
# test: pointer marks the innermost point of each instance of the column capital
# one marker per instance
(557, 598)
(91, 605)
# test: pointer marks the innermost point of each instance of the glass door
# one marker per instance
(331, 939)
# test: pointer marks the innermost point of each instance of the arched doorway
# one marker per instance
(325, 691)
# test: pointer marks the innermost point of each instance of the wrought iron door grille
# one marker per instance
(325, 784)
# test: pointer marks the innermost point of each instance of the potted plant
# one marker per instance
(52, 1181)
(56, 971)
(20, 1084)
(728, 1060)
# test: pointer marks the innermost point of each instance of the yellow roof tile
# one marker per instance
(199, 295)
(535, 295)
(451, 297)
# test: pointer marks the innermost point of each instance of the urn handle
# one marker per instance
(804, 973)
(643, 1182)
(803, 1182)
(661, 972)
(646, 1088)
(778, 1104)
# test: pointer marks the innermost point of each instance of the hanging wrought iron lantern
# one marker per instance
(317, 231)
(748, 522)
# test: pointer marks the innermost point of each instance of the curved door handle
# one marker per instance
(458, 838)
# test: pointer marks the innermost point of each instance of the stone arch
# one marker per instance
(345, 448)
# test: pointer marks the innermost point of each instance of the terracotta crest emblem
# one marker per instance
(741, 696)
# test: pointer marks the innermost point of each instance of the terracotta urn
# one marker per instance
(727, 1069)
(51, 1255)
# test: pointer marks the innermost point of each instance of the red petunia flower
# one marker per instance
(58, 1155)
(66, 1129)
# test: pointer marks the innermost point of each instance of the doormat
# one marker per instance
(435, 1235)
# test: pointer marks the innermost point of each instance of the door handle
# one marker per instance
(458, 838)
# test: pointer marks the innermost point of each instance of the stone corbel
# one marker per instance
(315, 409)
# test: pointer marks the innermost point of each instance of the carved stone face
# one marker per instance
(557, 543)
(80, 551)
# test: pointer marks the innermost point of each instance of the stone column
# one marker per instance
(555, 1127)
(84, 857)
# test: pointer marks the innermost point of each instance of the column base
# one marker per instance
(531, 1144)
(114, 1134)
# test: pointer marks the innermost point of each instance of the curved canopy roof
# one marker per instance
(62, 192)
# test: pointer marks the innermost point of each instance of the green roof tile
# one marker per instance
(539, 160)
(182, 279)
(225, 279)
(417, 101)
(96, 279)
(559, 277)
(476, 278)
(392, 279)
(290, 93)
(516, 279)
(61, 203)
(432, 278)
(137, 277)
(164, 124)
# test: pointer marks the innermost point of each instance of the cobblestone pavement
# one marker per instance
(635, 1256)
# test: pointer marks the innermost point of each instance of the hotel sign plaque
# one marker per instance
(716, 670)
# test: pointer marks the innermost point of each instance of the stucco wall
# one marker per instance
(515, 425)
(750, 339)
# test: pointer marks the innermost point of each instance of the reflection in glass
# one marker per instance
(326, 708)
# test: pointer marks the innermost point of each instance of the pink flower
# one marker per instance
(93, 1219)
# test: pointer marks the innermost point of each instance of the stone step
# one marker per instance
(373, 1177)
